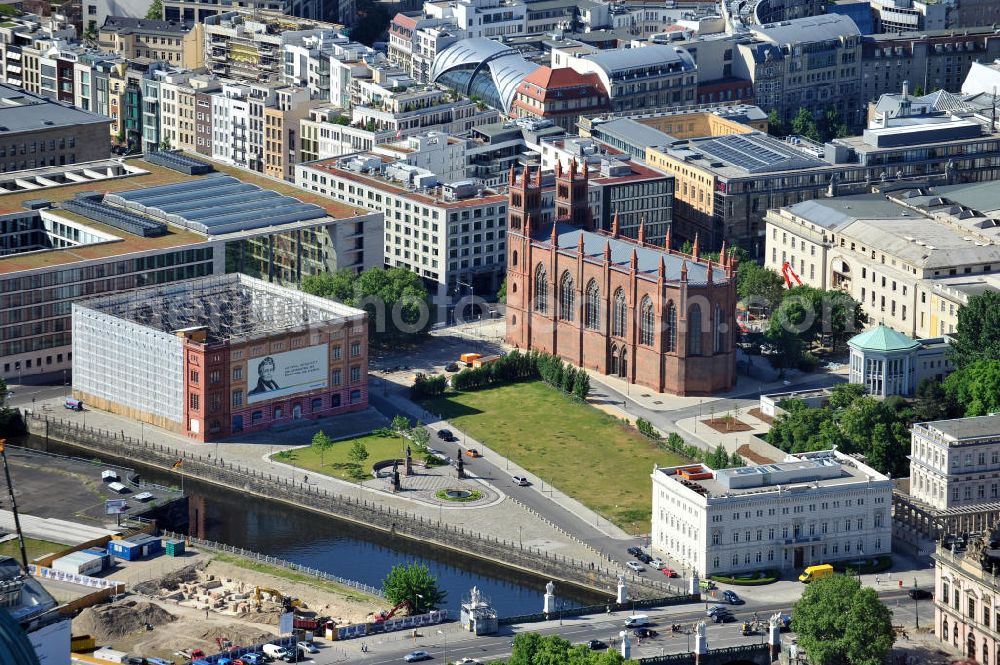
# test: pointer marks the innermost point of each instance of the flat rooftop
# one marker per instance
(109, 177)
(226, 307)
(797, 473)
(22, 111)
(967, 428)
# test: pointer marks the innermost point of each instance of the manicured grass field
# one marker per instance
(580, 450)
(335, 460)
(34, 548)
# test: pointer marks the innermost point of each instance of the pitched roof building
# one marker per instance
(561, 95)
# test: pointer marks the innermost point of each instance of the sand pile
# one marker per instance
(107, 623)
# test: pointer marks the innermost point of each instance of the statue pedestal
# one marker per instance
(549, 604)
(408, 468)
(622, 596)
(626, 645)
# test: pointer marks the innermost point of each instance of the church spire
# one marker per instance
(558, 168)
(634, 264)
(666, 241)
(538, 176)
(607, 251)
(642, 230)
(614, 225)
(709, 278)
(684, 271)
(527, 225)
(694, 248)
(663, 269)
(512, 178)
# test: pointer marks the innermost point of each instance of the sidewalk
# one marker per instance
(503, 519)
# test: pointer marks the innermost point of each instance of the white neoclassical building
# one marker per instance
(956, 463)
(887, 362)
(810, 508)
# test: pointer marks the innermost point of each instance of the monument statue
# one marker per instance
(474, 596)
(621, 578)
(550, 588)
(700, 629)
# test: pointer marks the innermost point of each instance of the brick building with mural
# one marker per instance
(650, 315)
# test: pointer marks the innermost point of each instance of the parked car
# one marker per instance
(445, 435)
(164, 661)
(219, 661)
(715, 609)
(451, 367)
(520, 480)
(472, 452)
(724, 617)
(636, 566)
(416, 656)
(307, 647)
(467, 661)
(669, 572)
(634, 551)
(645, 558)
(656, 562)
(731, 597)
(644, 632)
(596, 645)
(920, 594)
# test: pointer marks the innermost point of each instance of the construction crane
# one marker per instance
(786, 270)
(13, 505)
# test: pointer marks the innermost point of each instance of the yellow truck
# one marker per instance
(816, 572)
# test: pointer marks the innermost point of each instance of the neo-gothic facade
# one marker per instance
(649, 315)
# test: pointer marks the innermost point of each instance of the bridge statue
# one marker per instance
(701, 638)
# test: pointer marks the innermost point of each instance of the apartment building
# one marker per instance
(415, 40)
(96, 12)
(250, 47)
(812, 63)
(930, 60)
(179, 44)
(185, 110)
(451, 234)
(481, 18)
(890, 250)
(29, 41)
(810, 508)
(256, 126)
(198, 11)
(328, 65)
(416, 110)
(436, 152)
(492, 149)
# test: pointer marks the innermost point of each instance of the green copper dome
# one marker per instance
(882, 338)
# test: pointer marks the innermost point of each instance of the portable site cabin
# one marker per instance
(143, 496)
(135, 548)
(109, 476)
(117, 487)
(79, 563)
(175, 548)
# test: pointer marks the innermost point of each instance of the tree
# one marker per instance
(720, 459)
(775, 125)
(804, 124)
(165, 144)
(933, 402)
(155, 12)
(7, 414)
(758, 286)
(502, 292)
(976, 386)
(978, 333)
(420, 436)
(400, 423)
(533, 649)
(844, 395)
(840, 623)
(323, 443)
(358, 452)
(413, 582)
(396, 300)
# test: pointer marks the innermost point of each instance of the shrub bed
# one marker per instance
(758, 578)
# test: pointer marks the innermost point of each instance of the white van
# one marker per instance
(637, 620)
(274, 651)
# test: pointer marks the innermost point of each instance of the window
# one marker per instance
(694, 331)
(237, 398)
(317, 403)
(193, 401)
(646, 324)
(336, 377)
(355, 374)
(194, 376)
(671, 324)
(335, 400)
(335, 350)
(355, 396)
(592, 307)
(567, 297)
(541, 289)
(355, 349)
(619, 314)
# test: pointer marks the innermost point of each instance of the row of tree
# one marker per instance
(804, 123)
(853, 422)
(718, 458)
(513, 367)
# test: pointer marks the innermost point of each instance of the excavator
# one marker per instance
(786, 270)
(384, 615)
(286, 602)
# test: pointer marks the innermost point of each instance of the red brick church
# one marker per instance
(648, 314)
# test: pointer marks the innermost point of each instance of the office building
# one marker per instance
(966, 619)
(216, 356)
(559, 95)
(114, 239)
(37, 132)
(891, 250)
(452, 234)
(199, 11)
(810, 508)
(645, 314)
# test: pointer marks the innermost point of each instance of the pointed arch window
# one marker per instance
(671, 325)
(694, 331)
(646, 325)
(541, 289)
(592, 307)
(567, 297)
(619, 315)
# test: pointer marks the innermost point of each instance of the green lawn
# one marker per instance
(335, 460)
(34, 548)
(579, 449)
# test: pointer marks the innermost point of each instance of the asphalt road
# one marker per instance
(393, 647)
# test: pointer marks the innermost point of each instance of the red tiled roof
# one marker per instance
(405, 21)
(563, 77)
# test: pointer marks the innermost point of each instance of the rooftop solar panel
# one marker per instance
(757, 153)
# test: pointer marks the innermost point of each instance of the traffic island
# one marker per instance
(459, 495)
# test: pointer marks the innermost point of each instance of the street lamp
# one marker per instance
(916, 604)
(441, 632)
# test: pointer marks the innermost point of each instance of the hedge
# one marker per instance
(510, 368)
(759, 578)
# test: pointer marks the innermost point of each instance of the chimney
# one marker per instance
(906, 89)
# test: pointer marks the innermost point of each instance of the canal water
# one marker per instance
(343, 548)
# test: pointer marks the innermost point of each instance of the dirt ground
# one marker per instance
(176, 626)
